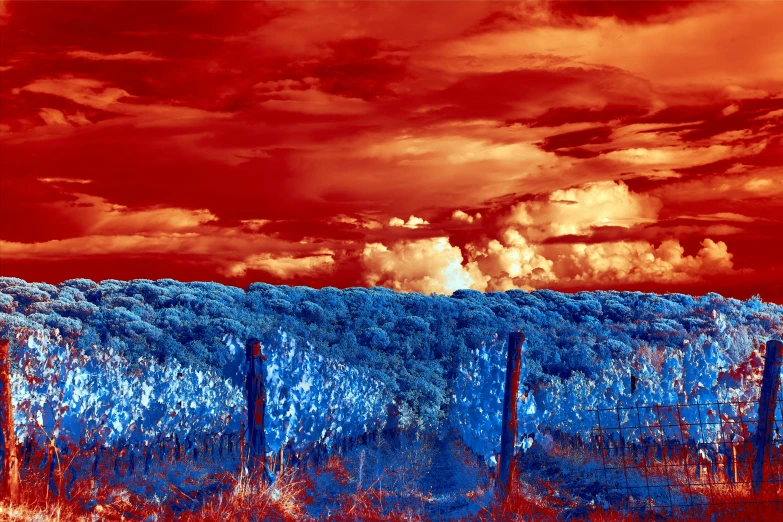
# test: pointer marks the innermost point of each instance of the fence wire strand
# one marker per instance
(707, 462)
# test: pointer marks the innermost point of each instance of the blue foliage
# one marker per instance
(414, 343)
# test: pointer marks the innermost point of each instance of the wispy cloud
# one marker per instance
(132, 56)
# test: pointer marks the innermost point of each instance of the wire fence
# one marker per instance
(686, 456)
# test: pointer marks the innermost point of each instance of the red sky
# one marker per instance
(419, 146)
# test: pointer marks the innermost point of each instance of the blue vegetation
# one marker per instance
(414, 343)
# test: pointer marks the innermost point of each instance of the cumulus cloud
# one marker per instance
(577, 210)
(626, 262)
(459, 215)
(511, 262)
(413, 222)
(434, 265)
(520, 257)
(514, 263)
(425, 265)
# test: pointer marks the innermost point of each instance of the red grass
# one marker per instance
(288, 498)
(336, 466)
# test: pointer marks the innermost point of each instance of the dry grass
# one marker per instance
(287, 499)
(284, 500)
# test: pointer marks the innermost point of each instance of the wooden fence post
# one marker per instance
(508, 431)
(734, 465)
(256, 405)
(770, 385)
(10, 486)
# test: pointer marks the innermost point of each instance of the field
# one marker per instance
(132, 401)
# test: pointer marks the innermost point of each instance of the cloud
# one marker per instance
(65, 180)
(426, 265)
(307, 98)
(682, 157)
(434, 265)
(521, 256)
(413, 222)
(4, 14)
(132, 56)
(720, 216)
(511, 262)
(53, 117)
(100, 95)
(577, 210)
(454, 149)
(708, 35)
(57, 117)
(87, 215)
(84, 91)
(361, 222)
(96, 245)
(282, 266)
(98, 216)
(641, 262)
(459, 215)
(533, 149)
(737, 92)
(254, 225)
(752, 184)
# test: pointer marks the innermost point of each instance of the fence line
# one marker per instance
(680, 471)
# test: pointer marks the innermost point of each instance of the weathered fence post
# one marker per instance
(734, 465)
(508, 431)
(256, 404)
(770, 385)
(10, 486)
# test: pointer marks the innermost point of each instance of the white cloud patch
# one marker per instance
(521, 258)
(426, 265)
(641, 262)
(413, 222)
(511, 262)
(459, 215)
(577, 210)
